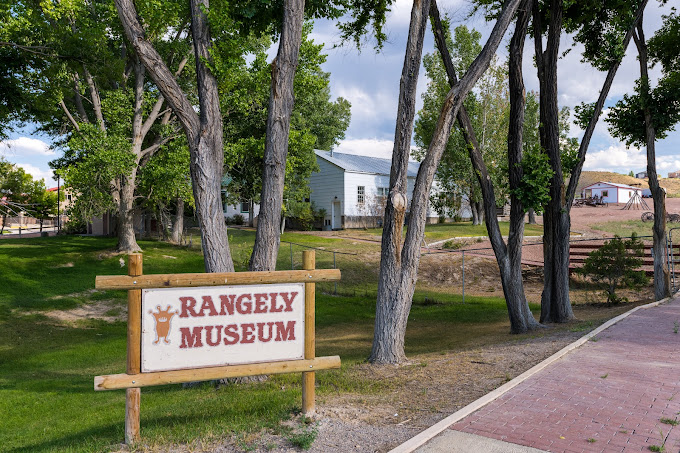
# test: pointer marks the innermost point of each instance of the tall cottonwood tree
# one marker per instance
(203, 129)
(81, 82)
(601, 27)
(400, 258)
(648, 115)
(525, 189)
(488, 109)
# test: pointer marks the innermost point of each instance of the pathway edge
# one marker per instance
(424, 436)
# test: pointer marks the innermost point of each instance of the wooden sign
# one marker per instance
(222, 325)
(193, 327)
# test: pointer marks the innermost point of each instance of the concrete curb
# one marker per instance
(420, 439)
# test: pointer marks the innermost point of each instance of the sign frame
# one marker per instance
(134, 379)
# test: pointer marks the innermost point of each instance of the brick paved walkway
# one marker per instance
(609, 395)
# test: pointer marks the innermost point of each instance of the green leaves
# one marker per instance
(616, 264)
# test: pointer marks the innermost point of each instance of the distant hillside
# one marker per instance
(672, 185)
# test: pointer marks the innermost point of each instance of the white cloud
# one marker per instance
(25, 146)
(616, 158)
(37, 173)
(620, 159)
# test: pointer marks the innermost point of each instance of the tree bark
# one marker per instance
(204, 132)
(532, 217)
(661, 271)
(178, 223)
(509, 258)
(555, 302)
(281, 100)
(399, 265)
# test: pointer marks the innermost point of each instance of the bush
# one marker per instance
(615, 264)
(74, 226)
(457, 218)
(452, 244)
(238, 219)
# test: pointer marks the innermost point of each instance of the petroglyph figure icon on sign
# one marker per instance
(162, 318)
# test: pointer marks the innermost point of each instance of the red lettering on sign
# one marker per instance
(261, 330)
(274, 308)
(245, 307)
(188, 304)
(288, 301)
(191, 339)
(208, 335)
(227, 303)
(260, 303)
(248, 333)
(285, 333)
(231, 334)
(208, 305)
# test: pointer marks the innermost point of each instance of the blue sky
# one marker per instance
(370, 81)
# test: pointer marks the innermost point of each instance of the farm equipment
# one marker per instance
(670, 218)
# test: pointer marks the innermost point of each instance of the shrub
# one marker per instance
(615, 264)
(238, 219)
(452, 244)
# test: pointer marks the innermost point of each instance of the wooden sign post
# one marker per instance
(216, 326)
(134, 355)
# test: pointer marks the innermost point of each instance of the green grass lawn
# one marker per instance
(47, 366)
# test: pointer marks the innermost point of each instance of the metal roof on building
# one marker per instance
(364, 164)
(614, 184)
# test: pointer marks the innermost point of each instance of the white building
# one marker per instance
(610, 192)
(641, 175)
(353, 189)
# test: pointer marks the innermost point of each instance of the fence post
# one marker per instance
(463, 276)
(132, 395)
(308, 377)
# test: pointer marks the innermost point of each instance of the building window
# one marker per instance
(68, 197)
(245, 207)
(383, 191)
(605, 193)
(361, 194)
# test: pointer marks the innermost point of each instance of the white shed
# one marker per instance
(610, 192)
(353, 189)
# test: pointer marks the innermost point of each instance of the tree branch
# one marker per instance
(599, 105)
(96, 100)
(72, 120)
(158, 70)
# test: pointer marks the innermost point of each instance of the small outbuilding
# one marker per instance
(610, 192)
(641, 175)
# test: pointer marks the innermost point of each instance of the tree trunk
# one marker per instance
(399, 266)
(281, 101)
(661, 272)
(509, 258)
(178, 223)
(126, 215)
(474, 208)
(555, 302)
(532, 217)
(204, 132)
(251, 214)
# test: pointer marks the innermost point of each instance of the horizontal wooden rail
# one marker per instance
(214, 279)
(123, 381)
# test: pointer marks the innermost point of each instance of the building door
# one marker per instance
(336, 216)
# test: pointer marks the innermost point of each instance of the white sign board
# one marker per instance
(221, 325)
